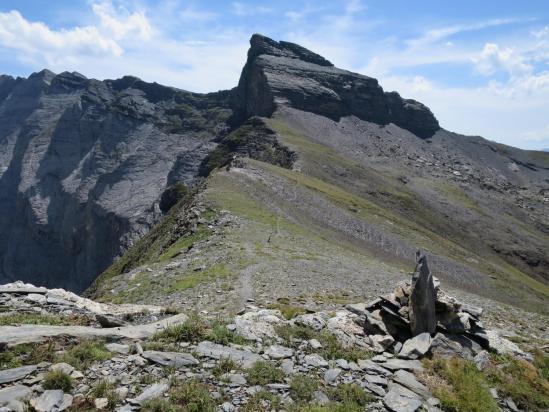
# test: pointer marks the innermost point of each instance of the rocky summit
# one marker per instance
(250, 249)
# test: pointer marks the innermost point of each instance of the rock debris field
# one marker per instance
(63, 352)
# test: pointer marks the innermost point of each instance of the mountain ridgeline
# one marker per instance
(317, 158)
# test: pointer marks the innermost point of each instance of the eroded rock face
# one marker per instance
(281, 73)
(83, 164)
(422, 300)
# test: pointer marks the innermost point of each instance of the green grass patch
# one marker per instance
(106, 389)
(522, 381)
(288, 311)
(193, 279)
(82, 355)
(303, 387)
(12, 319)
(184, 243)
(262, 401)
(192, 396)
(224, 365)
(57, 380)
(263, 372)
(27, 354)
(460, 386)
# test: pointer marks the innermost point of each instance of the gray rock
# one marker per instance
(315, 360)
(109, 321)
(62, 367)
(216, 351)
(118, 348)
(287, 366)
(52, 401)
(175, 359)
(315, 344)
(313, 320)
(235, 379)
(14, 393)
(101, 403)
(373, 388)
(482, 359)
(422, 299)
(153, 391)
(372, 367)
(408, 380)
(331, 375)
(320, 398)
(375, 380)
(400, 399)
(416, 347)
(15, 374)
(278, 352)
(395, 364)
(228, 407)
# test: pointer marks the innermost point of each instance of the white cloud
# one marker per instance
(134, 24)
(493, 59)
(35, 41)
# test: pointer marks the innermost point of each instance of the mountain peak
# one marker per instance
(285, 74)
(260, 44)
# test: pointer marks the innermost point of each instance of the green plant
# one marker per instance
(332, 349)
(106, 389)
(262, 401)
(349, 394)
(192, 396)
(192, 330)
(57, 379)
(522, 381)
(460, 385)
(288, 311)
(303, 387)
(41, 319)
(289, 333)
(224, 365)
(83, 354)
(159, 405)
(219, 333)
(263, 372)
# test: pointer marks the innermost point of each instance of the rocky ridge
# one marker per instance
(258, 360)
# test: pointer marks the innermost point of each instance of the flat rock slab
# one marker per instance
(372, 367)
(153, 391)
(15, 374)
(278, 352)
(400, 399)
(408, 380)
(175, 359)
(416, 347)
(52, 400)
(396, 364)
(15, 335)
(14, 393)
(216, 351)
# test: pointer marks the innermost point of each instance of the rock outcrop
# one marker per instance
(282, 73)
(422, 300)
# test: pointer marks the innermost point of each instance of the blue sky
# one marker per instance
(481, 66)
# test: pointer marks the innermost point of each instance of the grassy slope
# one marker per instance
(280, 242)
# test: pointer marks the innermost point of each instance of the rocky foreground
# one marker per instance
(63, 352)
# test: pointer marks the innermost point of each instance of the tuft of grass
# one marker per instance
(192, 330)
(262, 401)
(106, 389)
(541, 361)
(224, 365)
(190, 280)
(291, 333)
(159, 405)
(303, 387)
(219, 333)
(41, 319)
(192, 396)
(349, 394)
(288, 311)
(82, 355)
(522, 381)
(462, 387)
(263, 372)
(57, 380)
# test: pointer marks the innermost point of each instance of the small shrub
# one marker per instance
(349, 394)
(332, 349)
(303, 387)
(262, 401)
(192, 396)
(85, 353)
(224, 365)
(263, 372)
(57, 380)
(463, 387)
(290, 333)
(106, 389)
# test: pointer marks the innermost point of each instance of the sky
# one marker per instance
(481, 66)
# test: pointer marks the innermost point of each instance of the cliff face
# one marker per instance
(282, 73)
(83, 165)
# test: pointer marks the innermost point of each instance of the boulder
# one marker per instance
(216, 351)
(15, 374)
(400, 399)
(258, 324)
(416, 347)
(422, 300)
(408, 380)
(175, 359)
(19, 393)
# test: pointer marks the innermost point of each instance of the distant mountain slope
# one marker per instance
(324, 196)
(310, 183)
(83, 164)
